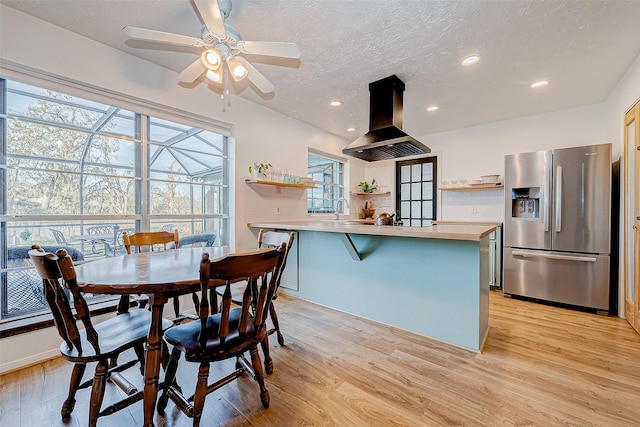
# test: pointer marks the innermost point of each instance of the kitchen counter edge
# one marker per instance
(473, 232)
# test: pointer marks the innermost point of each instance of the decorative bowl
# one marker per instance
(490, 179)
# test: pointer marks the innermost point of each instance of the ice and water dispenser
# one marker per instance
(525, 202)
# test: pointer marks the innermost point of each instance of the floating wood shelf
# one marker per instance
(371, 194)
(473, 187)
(278, 184)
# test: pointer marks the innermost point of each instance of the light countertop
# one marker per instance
(467, 231)
(460, 222)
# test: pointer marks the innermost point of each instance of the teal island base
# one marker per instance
(437, 287)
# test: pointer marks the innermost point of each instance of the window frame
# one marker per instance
(32, 320)
(335, 189)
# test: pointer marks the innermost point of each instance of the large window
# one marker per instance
(329, 174)
(71, 166)
(416, 191)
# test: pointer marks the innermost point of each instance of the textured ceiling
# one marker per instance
(581, 47)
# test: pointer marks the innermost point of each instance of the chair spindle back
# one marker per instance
(57, 271)
(260, 271)
(150, 239)
(275, 239)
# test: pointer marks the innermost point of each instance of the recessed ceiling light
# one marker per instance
(335, 103)
(351, 129)
(539, 84)
(470, 60)
(432, 108)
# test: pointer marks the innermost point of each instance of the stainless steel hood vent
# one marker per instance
(385, 139)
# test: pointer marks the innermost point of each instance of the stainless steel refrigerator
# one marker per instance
(557, 225)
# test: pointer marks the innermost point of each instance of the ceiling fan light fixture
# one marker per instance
(220, 43)
(212, 59)
(214, 76)
(238, 71)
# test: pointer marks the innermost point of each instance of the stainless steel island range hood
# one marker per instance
(385, 139)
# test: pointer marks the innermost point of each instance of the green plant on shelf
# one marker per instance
(367, 187)
(259, 169)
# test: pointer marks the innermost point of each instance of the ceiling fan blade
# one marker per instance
(192, 72)
(210, 13)
(160, 36)
(280, 49)
(256, 77)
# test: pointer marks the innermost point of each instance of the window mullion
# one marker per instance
(142, 161)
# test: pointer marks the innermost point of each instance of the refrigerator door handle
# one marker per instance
(545, 208)
(526, 254)
(558, 226)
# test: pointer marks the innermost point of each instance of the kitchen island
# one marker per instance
(430, 280)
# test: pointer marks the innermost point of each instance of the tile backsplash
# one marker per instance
(472, 205)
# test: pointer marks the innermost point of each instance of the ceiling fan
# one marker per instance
(221, 45)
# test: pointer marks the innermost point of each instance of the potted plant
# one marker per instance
(25, 236)
(366, 187)
(259, 170)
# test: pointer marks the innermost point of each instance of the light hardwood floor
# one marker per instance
(541, 365)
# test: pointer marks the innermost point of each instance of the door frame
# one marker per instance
(632, 155)
(434, 188)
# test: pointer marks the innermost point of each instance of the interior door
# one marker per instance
(632, 217)
(636, 222)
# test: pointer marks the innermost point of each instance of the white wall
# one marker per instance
(475, 151)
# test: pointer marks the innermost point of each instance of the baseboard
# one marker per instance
(25, 362)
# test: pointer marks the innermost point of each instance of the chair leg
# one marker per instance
(139, 349)
(165, 355)
(97, 392)
(276, 325)
(169, 378)
(268, 361)
(76, 377)
(257, 367)
(176, 306)
(201, 392)
(196, 301)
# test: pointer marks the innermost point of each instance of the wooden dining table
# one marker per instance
(161, 275)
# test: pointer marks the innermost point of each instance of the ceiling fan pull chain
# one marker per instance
(225, 90)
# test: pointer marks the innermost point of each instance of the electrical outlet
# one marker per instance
(474, 210)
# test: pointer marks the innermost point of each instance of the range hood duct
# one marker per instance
(385, 139)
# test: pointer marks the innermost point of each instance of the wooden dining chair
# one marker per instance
(150, 240)
(268, 239)
(227, 334)
(102, 343)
